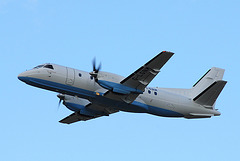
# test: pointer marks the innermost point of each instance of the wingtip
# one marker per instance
(167, 52)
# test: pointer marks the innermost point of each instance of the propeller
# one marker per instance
(95, 71)
(61, 98)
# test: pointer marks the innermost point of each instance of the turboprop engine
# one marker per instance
(111, 81)
(76, 104)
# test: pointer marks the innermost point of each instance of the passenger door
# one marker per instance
(70, 76)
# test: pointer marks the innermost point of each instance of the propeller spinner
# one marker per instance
(95, 71)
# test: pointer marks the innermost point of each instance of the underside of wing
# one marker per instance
(75, 117)
(84, 109)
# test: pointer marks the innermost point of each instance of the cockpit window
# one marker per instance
(39, 66)
(48, 66)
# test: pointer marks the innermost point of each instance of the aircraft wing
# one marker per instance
(142, 77)
(75, 117)
(145, 74)
(92, 111)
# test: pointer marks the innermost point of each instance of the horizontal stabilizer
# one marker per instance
(210, 94)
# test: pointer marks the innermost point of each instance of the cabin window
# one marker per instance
(80, 75)
(149, 91)
(91, 77)
(155, 93)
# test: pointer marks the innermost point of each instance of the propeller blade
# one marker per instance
(94, 64)
(99, 67)
(61, 98)
(60, 101)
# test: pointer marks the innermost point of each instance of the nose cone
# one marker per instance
(24, 76)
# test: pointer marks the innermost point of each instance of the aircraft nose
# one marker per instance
(23, 76)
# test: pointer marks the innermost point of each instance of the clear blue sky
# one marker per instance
(123, 35)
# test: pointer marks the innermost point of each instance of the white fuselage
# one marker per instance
(157, 101)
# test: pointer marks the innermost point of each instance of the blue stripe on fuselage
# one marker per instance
(70, 90)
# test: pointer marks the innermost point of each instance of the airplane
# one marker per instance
(94, 94)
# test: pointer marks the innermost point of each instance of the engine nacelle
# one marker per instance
(112, 81)
(76, 104)
(118, 88)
